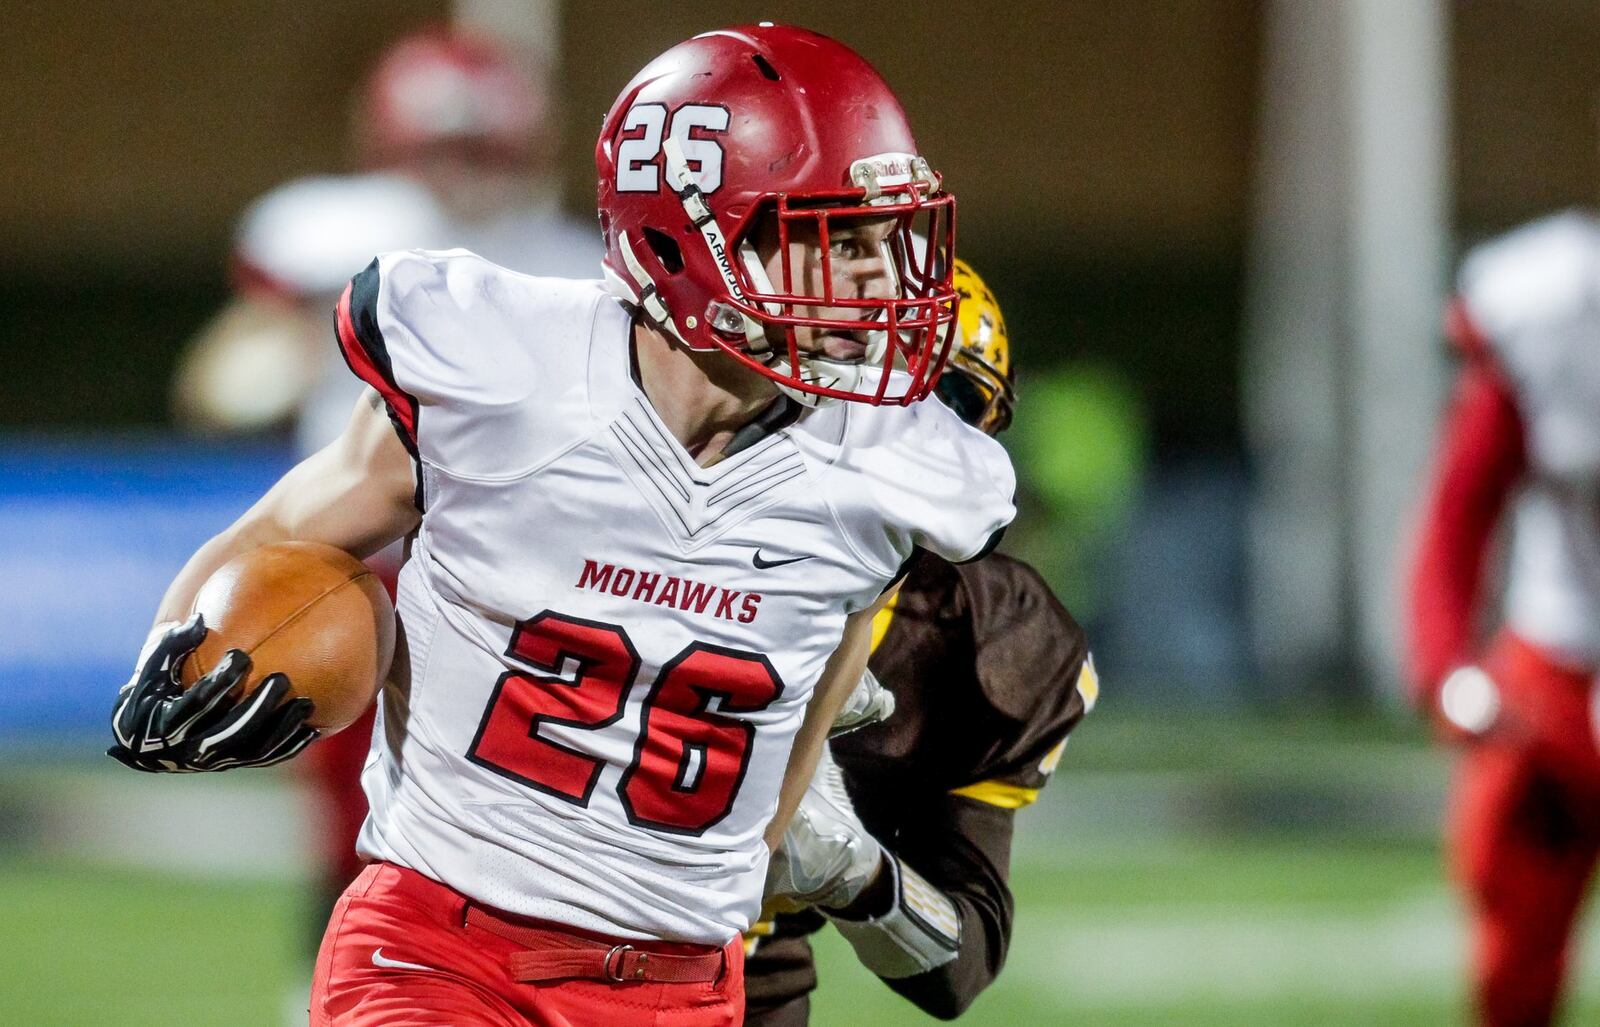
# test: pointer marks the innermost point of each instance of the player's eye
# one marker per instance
(850, 248)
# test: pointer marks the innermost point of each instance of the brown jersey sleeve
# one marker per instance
(1035, 673)
(962, 847)
(994, 673)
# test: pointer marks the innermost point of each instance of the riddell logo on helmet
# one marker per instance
(884, 168)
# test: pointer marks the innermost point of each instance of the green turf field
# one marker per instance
(1231, 933)
(1227, 872)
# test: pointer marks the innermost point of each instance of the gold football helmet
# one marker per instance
(978, 383)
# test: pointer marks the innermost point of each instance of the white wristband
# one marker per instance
(921, 931)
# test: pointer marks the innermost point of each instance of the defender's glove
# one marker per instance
(827, 856)
(161, 728)
(869, 703)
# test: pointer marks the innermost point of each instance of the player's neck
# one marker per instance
(702, 398)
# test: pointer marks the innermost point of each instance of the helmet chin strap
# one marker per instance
(641, 292)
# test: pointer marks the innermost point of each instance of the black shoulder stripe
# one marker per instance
(364, 349)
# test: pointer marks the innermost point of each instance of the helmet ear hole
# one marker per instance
(665, 248)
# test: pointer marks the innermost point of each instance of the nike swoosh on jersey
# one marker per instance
(764, 565)
(380, 960)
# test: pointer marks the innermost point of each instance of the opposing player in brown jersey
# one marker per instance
(904, 839)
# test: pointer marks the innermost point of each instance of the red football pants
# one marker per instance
(1524, 832)
(458, 974)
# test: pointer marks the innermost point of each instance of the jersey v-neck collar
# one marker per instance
(696, 505)
(756, 435)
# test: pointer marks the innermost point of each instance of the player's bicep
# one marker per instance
(356, 493)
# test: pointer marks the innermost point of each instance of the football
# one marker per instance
(309, 611)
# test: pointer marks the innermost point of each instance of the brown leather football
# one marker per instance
(310, 611)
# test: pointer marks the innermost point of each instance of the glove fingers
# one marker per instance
(290, 746)
(206, 699)
(285, 725)
(294, 714)
(244, 724)
(178, 641)
(127, 758)
(130, 720)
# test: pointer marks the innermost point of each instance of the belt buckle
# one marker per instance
(613, 962)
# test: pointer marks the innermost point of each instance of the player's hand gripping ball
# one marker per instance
(286, 642)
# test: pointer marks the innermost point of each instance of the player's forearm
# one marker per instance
(241, 537)
(947, 991)
(839, 678)
(355, 494)
(965, 855)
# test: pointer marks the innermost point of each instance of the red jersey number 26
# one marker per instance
(688, 760)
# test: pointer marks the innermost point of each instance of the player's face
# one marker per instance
(860, 267)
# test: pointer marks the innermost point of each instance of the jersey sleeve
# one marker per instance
(1035, 673)
(960, 517)
(921, 478)
(446, 339)
(1479, 459)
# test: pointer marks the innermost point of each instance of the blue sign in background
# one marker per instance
(91, 532)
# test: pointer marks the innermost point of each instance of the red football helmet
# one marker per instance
(773, 129)
(447, 87)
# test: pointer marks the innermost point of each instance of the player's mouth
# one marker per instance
(843, 348)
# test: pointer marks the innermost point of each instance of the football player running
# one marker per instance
(903, 840)
(650, 521)
(1522, 433)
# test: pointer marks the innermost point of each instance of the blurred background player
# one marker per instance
(456, 137)
(1522, 432)
(904, 839)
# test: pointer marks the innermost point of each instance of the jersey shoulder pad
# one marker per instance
(915, 477)
(1526, 289)
(1026, 639)
(305, 238)
(460, 349)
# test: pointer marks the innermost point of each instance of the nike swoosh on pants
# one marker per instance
(380, 960)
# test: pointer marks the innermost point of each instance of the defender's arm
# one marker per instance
(1479, 460)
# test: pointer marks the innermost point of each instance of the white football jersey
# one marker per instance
(1535, 295)
(610, 647)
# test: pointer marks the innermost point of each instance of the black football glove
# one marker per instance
(162, 728)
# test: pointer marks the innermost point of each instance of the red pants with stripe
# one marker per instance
(399, 953)
(1524, 832)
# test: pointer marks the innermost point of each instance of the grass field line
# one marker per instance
(1240, 954)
